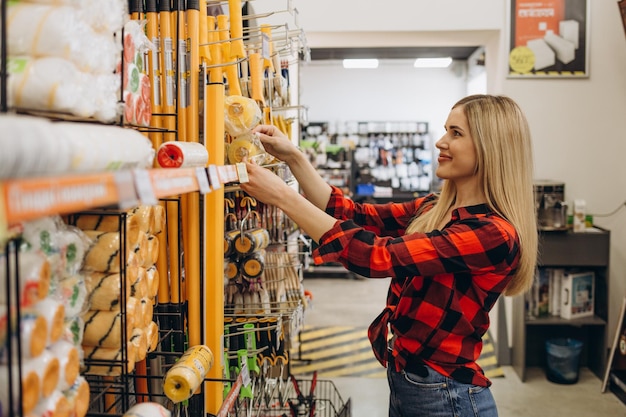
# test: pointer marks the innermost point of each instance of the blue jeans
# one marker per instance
(436, 396)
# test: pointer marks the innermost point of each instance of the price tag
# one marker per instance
(265, 46)
(203, 180)
(214, 177)
(143, 185)
(245, 374)
(124, 183)
(242, 172)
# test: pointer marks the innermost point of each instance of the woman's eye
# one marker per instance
(456, 133)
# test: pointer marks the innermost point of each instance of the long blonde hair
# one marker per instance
(505, 167)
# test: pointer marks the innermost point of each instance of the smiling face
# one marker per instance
(457, 153)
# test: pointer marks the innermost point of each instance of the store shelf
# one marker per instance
(25, 199)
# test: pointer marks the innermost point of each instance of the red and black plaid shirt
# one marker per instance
(443, 283)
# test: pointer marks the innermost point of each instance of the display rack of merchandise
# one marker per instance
(563, 253)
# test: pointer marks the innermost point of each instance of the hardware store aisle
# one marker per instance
(355, 302)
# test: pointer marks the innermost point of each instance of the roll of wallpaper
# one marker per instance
(104, 328)
(178, 154)
(33, 332)
(139, 339)
(69, 361)
(158, 219)
(53, 312)
(152, 251)
(56, 405)
(72, 292)
(74, 329)
(59, 31)
(110, 223)
(34, 272)
(147, 409)
(28, 133)
(96, 354)
(50, 84)
(147, 311)
(78, 395)
(134, 313)
(139, 288)
(186, 375)
(104, 253)
(152, 333)
(139, 253)
(48, 368)
(31, 389)
(152, 279)
(104, 290)
(97, 147)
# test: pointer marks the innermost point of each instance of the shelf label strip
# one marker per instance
(28, 199)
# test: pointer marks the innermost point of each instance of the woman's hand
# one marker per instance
(266, 186)
(276, 142)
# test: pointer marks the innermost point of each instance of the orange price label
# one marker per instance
(30, 198)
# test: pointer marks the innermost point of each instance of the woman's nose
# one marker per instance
(441, 143)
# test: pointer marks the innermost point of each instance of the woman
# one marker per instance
(450, 255)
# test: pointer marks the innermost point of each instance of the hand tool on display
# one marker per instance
(236, 29)
(214, 215)
(168, 74)
(231, 70)
(154, 72)
(203, 36)
(193, 273)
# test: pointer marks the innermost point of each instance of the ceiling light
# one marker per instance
(432, 62)
(360, 63)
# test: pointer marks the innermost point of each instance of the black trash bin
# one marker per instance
(563, 360)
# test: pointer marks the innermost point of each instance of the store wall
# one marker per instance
(576, 123)
(395, 91)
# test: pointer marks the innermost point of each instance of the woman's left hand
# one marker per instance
(266, 186)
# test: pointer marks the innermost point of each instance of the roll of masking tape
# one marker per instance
(176, 154)
(186, 375)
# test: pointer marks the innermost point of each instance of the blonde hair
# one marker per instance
(505, 167)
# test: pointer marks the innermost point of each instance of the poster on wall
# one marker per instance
(549, 39)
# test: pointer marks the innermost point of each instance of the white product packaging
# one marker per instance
(544, 55)
(565, 50)
(568, 29)
(577, 295)
(580, 208)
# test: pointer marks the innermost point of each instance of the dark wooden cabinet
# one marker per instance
(585, 251)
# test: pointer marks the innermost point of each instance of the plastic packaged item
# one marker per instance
(246, 147)
(241, 114)
(580, 208)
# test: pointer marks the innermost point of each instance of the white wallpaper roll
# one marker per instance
(40, 147)
(178, 154)
(69, 361)
(48, 368)
(59, 31)
(98, 147)
(31, 390)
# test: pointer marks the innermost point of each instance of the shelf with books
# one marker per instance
(565, 257)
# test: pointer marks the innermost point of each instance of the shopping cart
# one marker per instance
(316, 398)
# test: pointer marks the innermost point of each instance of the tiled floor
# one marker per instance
(355, 302)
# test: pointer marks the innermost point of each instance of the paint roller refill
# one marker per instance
(177, 154)
(186, 375)
(30, 392)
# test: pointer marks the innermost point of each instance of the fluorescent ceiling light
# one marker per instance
(360, 63)
(432, 62)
